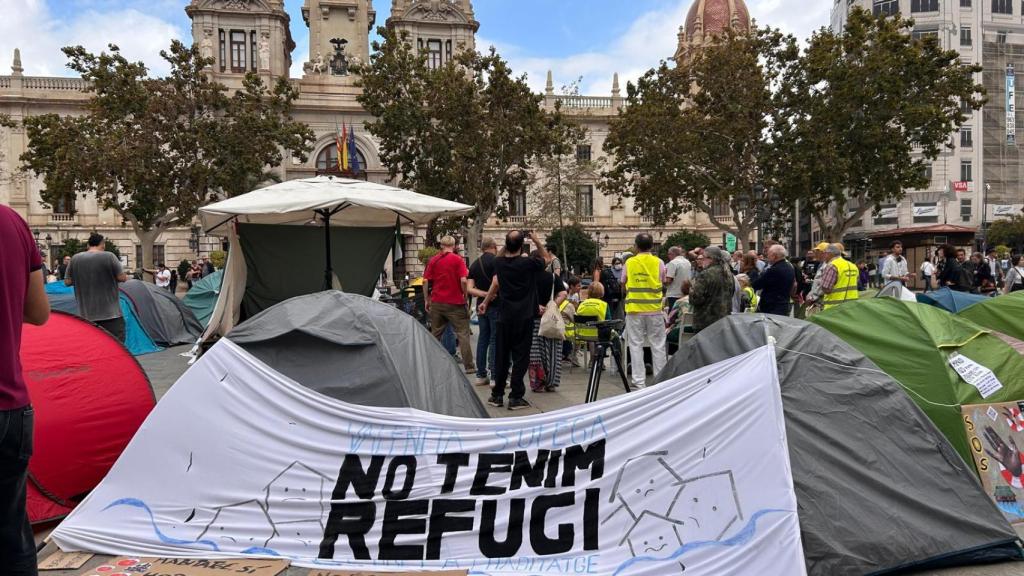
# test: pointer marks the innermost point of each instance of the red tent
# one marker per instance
(90, 397)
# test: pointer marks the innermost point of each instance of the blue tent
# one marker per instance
(62, 298)
(950, 300)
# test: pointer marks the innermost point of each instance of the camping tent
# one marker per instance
(898, 291)
(202, 297)
(138, 342)
(304, 236)
(914, 343)
(1004, 314)
(950, 300)
(164, 317)
(878, 487)
(90, 397)
(355, 349)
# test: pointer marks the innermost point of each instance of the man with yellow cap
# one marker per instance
(814, 295)
(838, 278)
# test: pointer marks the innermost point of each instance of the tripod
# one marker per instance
(607, 339)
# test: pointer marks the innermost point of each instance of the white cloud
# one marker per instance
(40, 34)
(652, 37)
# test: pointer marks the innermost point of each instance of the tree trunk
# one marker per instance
(147, 238)
(472, 235)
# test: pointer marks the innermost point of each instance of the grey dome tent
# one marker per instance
(879, 488)
(163, 316)
(360, 351)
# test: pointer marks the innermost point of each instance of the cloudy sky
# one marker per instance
(591, 39)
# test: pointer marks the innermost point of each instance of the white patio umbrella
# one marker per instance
(323, 201)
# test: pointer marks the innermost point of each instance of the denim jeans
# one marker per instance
(486, 342)
(17, 545)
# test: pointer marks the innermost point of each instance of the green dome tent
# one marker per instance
(1004, 314)
(913, 342)
(202, 297)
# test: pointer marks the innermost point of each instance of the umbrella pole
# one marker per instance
(328, 270)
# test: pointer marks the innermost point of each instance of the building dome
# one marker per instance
(709, 18)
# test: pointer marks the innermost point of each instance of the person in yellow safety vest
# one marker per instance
(839, 280)
(593, 306)
(645, 320)
(748, 297)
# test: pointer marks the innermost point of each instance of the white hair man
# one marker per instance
(777, 283)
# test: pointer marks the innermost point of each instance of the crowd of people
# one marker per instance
(511, 289)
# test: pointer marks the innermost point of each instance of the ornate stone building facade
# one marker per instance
(246, 36)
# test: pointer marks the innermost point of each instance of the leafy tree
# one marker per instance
(558, 174)
(156, 149)
(464, 132)
(863, 114)
(574, 247)
(218, 258)
(1007, 231)
(698, 135)
(686, 239)
(73, 246)
(183, 267)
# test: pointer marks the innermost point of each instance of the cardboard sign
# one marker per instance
(996, 431)
(125, 566)
(347, 573)
(976, 375)
(65, 561)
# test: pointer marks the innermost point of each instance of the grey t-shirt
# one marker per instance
(679, 271)
(94, 275)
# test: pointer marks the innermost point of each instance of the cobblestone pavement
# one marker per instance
(165, 367)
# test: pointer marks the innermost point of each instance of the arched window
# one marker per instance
(327, 159)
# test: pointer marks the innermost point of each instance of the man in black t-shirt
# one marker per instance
(515, 283)
(480, 274)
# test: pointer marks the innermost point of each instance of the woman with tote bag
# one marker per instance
(546, 352)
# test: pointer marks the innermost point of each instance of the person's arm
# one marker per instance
(541, 250)
(37, 306)
(759, 283)
(473, 290)
(490, 296)
(68, 280)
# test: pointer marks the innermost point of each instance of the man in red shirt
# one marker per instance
(22, 299)
(444, 293)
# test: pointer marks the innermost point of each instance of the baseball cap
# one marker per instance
(821, 247)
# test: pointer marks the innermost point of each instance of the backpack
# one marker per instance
(612, 286)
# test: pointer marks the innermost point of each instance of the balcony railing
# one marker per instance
(584, 102)
(516, 219)
(55, 84)
(5, 81)
(61, 218)
(586, 219)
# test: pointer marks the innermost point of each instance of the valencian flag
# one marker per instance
(353, 152)
(338, 140)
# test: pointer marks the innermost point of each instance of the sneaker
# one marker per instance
(482, 381)
(497, 401)
(517, 404)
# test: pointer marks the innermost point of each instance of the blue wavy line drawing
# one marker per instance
(744, 536)
(259, 550)
(136, 503)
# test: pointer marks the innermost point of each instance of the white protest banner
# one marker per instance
(237, 460)
(976, 375)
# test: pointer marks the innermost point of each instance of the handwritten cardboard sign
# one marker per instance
(65, 561)
(126, 566)
(347, 573)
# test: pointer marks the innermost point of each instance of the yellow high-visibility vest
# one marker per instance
(591, 307)
(754, 300)
(845, 289)
(643, 284)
